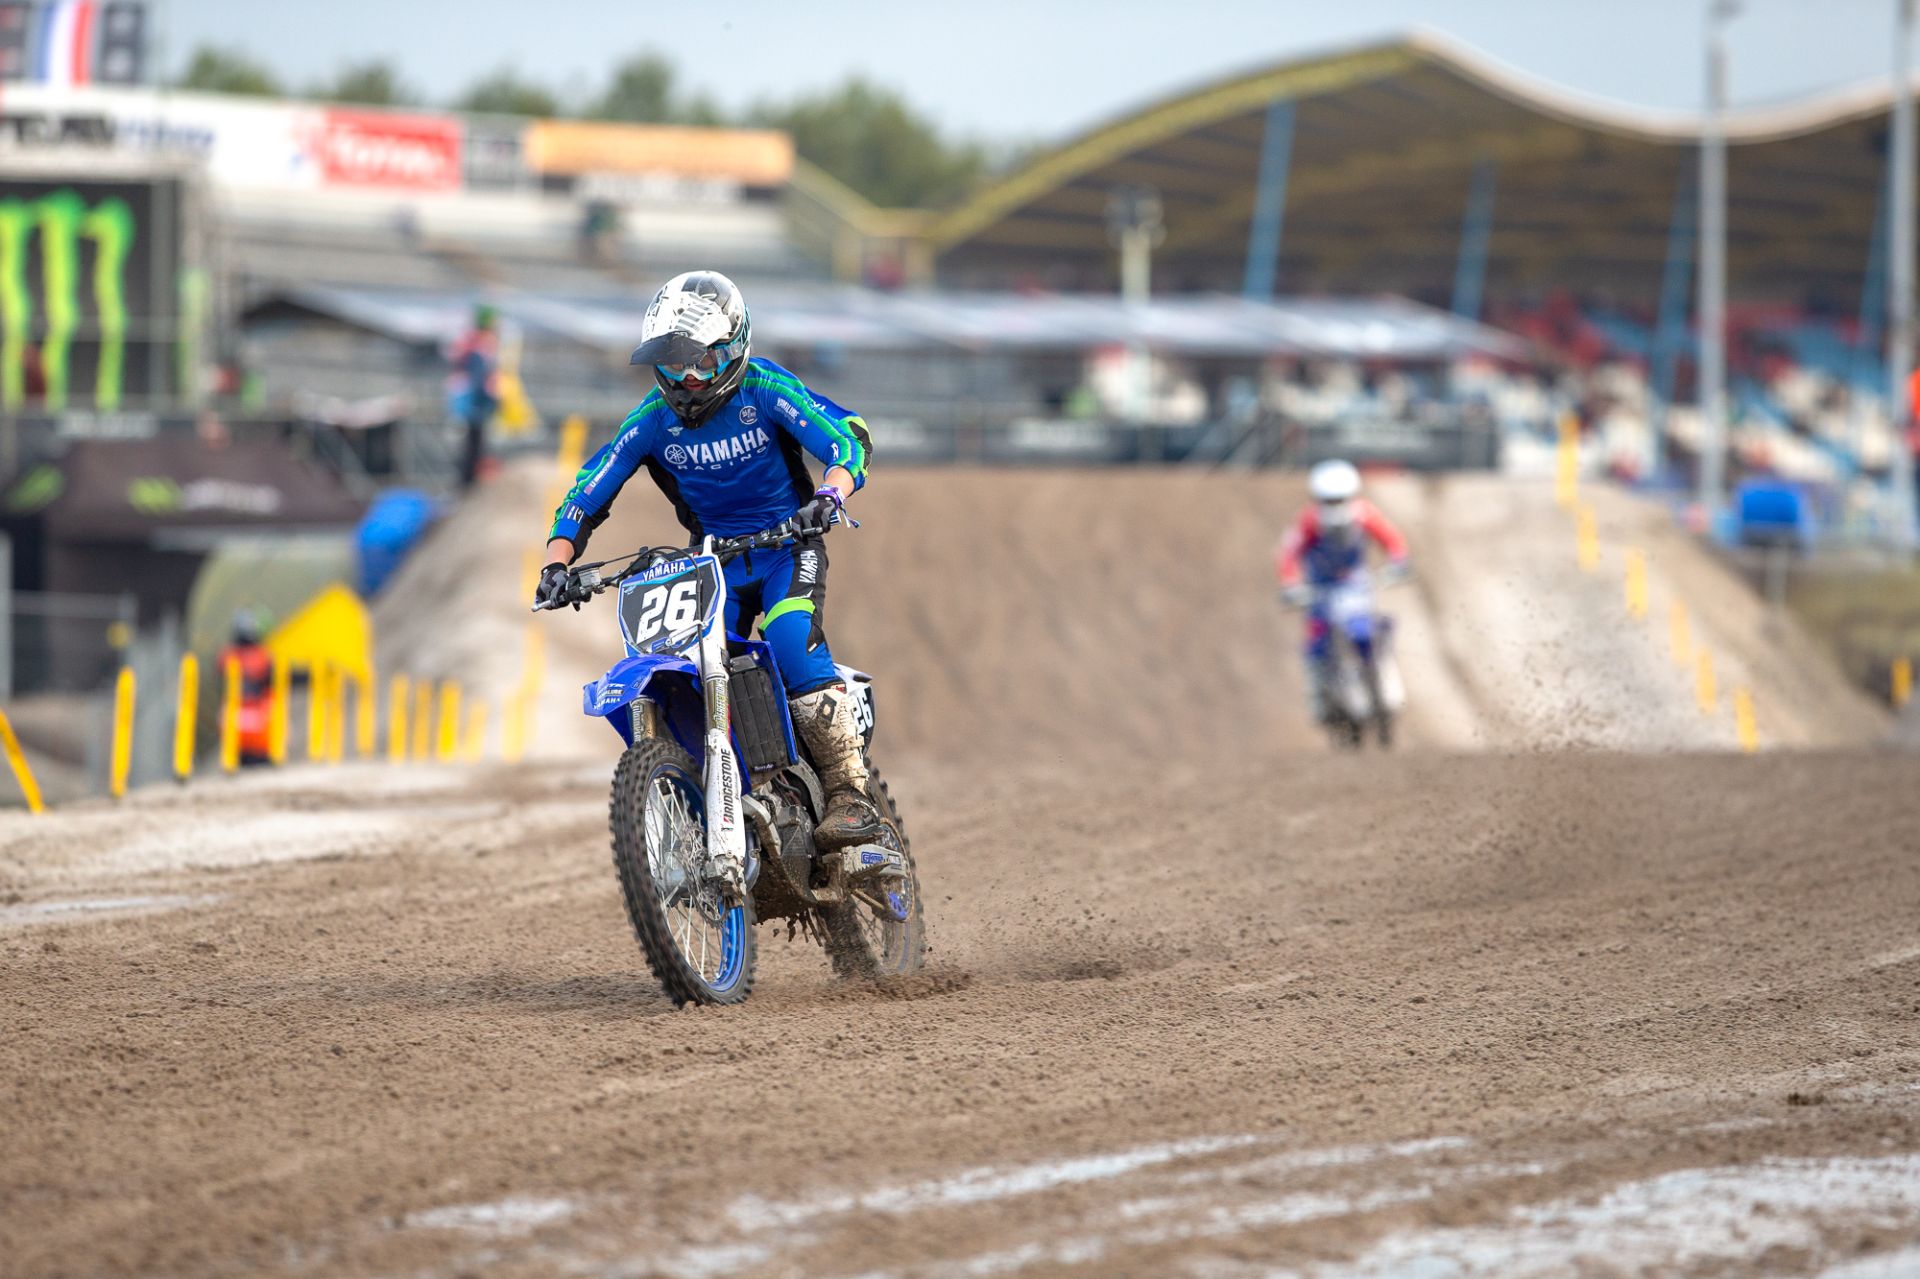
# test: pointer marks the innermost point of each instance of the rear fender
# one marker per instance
(670, 681)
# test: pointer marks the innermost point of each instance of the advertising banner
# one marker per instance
(382, 149)
(570, 148)
(242, 142)
(86, 292)
(493, 157)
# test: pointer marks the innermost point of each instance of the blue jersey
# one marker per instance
(738, 472)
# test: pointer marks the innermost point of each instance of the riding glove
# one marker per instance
(817, 516)
(555, 578)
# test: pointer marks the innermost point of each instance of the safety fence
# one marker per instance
(347, 714)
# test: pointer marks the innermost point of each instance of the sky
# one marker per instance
(1024, 71)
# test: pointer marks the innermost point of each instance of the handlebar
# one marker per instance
(585, 581)
(1385, 578)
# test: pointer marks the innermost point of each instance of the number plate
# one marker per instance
(863, 709)
(670, 608)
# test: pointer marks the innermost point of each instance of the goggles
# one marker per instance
(704, 369)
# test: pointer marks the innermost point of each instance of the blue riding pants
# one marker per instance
(786, 588)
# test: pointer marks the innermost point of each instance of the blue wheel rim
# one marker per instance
(733, 951)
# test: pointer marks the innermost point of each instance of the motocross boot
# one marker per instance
(824, 720)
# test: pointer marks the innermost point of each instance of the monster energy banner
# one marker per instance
(87, 276)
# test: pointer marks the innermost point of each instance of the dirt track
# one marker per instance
(1203, 999)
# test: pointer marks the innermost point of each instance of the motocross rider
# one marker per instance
(1326, 546)
(721, 434)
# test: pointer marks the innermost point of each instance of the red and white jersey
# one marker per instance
(1307, 551)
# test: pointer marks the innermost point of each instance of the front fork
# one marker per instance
(726, 826)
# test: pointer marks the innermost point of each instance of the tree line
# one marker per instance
(866, 135)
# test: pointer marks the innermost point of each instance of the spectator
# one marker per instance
(474, 388)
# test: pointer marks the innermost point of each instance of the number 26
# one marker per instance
(671, 607)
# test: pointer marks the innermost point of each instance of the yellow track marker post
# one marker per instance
(1566, 462)
(398, 691)
(230, 718)
(366, 711)
(513, 727)
(573, 447)
(1705, 690)
(447, 743)
(567, 460)
(474, 747)
(316, 712)
(529, 571)
(1744, 726)
(1636, 583)
(533, 667)
(1587, 538)
(1902, 681)
(17, 760)
(336, 714)
(122, 758)
(422, 720)
(186, 716)
(398, 694)
(279, 710)
(1679, 634)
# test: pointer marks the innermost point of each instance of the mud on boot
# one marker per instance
(824, 720)
(850, 819)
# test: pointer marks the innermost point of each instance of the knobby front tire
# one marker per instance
(658, 817)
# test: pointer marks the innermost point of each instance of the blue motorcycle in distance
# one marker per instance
(715, 801)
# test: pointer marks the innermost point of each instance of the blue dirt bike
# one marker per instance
(1361, 684)
(715, 800)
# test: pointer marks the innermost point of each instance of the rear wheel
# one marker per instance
(697, 942)
(1345, 732)
(1381, 716)
(879, 930)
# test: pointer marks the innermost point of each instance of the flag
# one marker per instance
(65, 54)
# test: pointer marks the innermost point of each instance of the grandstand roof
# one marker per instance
(800, 316)
(1386, 139)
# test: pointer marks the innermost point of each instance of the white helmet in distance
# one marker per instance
(698, 337)
(1334, 485)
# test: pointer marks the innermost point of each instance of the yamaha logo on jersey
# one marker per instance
(714, 455)
(749, 415)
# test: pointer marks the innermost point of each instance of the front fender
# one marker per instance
(671, 681)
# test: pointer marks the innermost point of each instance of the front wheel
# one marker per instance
(878, 931)
(698, 943)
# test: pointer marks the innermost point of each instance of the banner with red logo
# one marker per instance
(377, 149)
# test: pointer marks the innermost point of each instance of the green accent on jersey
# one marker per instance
(792, 604)
(855, 461)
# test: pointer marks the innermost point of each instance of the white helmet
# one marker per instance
(697, 336)
(1334, 485)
